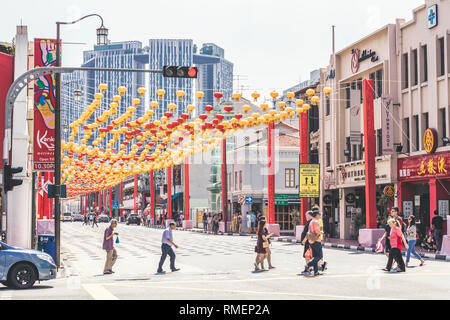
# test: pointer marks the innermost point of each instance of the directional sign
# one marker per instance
(115, 204)
(309, 180)
(248, 200)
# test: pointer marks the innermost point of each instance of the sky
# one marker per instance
(274, 44)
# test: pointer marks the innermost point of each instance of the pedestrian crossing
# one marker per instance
(139, 251)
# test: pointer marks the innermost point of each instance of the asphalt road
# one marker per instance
(221, 267)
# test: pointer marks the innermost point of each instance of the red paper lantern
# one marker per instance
(209, 108)
(228, 108)
(203, 116)
(218, 96)
(220, 117)
(238, 116)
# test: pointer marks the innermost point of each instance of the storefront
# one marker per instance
(423, 187)
(287, 211)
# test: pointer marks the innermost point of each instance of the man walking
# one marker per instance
(94, 221)
(437, 223)
(108, 245)
(167, 242)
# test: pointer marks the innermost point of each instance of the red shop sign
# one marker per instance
(424, 167)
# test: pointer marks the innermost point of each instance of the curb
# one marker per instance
(206, 232)
(430, 256)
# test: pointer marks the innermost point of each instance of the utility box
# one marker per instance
(46, 243)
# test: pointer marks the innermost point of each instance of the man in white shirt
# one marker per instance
(167, 242)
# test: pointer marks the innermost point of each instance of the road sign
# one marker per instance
(115, 204)
(309, 180)
(248, 200)
(241, 200)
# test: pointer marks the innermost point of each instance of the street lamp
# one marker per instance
(102, 34)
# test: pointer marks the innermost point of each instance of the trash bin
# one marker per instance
(46, 243)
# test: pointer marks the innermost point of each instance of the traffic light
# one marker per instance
(180, 72)
(8, 182)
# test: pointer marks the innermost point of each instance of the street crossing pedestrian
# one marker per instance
(108, 245)
(396, 238)
(305, 242)
(94, 221)
(314, 238)
(85, 220)
(261, 245)
(411, 233)
(167, 242)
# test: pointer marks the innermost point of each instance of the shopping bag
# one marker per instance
(117, 239)
(308, 254)
(379, 248)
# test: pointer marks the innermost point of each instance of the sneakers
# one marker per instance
(160, 272)
(307, 270)
(324, 266)
(316, 274)
(107, 272)
(175, 270)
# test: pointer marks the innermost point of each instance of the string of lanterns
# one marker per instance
(158, 144)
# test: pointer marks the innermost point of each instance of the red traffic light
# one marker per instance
(192, 72)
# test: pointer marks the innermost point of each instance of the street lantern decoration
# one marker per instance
(255, 96)
(274, 95)
(144, 145)
(199, 95)
(281, 105)
(327, 91)
(180, 94)
(310, 93)
(237, 96)
(122, 90)
(103, 87)
(315, 100)
(290, 95)
(218, 96)
(160, 93)
(141, 91)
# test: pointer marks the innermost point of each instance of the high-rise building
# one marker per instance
(170, 52)
(123, 55)
(215, 74)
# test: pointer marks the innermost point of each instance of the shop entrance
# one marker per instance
(421, 208)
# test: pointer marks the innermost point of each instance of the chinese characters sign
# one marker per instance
(431, 166)
(44, 107)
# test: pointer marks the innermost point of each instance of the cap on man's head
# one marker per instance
(113, 221)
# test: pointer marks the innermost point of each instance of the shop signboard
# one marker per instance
(386, 124)
(44, 107)
(282, 199)
(408, 209)
(424, 167)
(309, 180)
(355, 117)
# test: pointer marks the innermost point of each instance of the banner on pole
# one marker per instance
(44, 107)
(309, 180)
(355, 117)
(386, 124)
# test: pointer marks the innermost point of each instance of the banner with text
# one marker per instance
(44, 107)
(387, 124)
(355, 117)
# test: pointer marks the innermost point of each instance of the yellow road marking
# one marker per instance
(98, 292)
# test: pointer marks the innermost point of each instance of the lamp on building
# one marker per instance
(77, 95)
(347, 153)
(399, 148)
(102, 36)
(445, 140)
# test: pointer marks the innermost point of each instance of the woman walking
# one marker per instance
(396, 238)
(314, 235)
(411, 232)
(261, 245)
(305, 241)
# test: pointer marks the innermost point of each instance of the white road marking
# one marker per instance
(98, 292)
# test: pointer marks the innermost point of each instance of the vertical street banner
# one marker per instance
(355, 117)
(387, 124)
(309, 180)
(6, 80)
(44, 107)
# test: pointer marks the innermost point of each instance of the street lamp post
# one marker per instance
(102, 39)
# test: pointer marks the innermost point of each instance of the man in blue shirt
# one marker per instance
(167, 242)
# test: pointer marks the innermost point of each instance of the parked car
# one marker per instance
(77, 217)
(67, 216)
(21, 268)
(134, 219)
(103, 218)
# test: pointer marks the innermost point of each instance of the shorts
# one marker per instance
(253, 224)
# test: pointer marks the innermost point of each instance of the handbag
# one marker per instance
(379, 247)
(265, 244)
(312, 237)
(309, 254)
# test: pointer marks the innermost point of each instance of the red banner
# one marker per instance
(7, 78)
(44, 107)
(424, 167)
